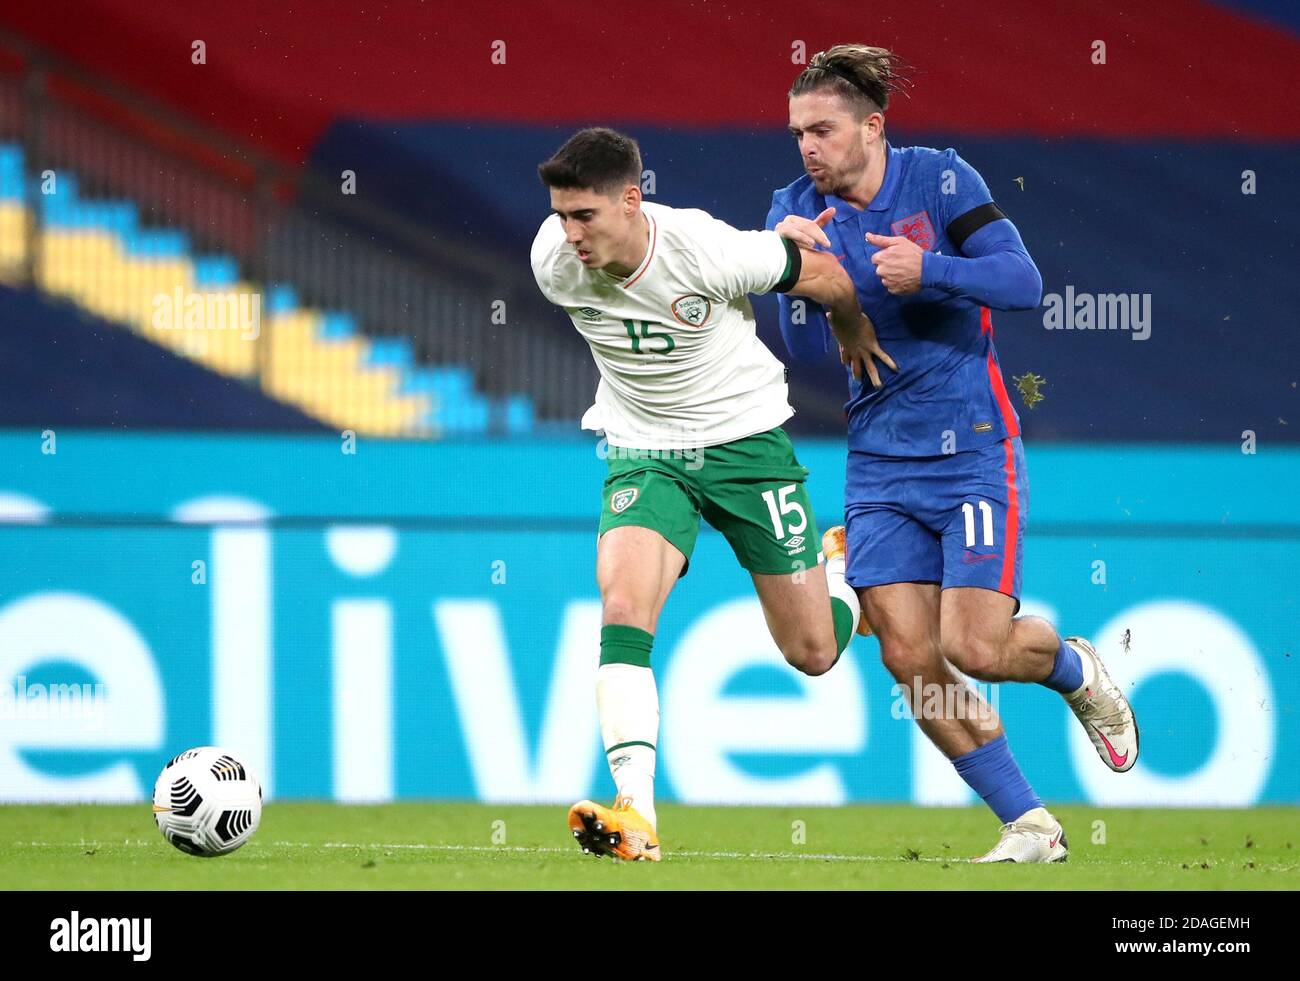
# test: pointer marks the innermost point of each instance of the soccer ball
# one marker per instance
(206, 802)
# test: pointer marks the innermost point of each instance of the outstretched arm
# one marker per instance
(808, 336)
(823, 280)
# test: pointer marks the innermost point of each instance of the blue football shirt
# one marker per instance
(948, 395)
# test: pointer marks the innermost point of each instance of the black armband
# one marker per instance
(964, 226)
(793, 268)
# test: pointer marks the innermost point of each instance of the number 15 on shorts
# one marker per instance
(786, 506)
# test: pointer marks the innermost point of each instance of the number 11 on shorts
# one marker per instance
(787, 506)
(986, 512)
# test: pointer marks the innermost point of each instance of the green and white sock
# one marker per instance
(627, 702)
(845, 608)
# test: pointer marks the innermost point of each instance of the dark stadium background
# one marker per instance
(406, 314)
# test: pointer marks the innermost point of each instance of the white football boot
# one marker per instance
(1035, 836)
(1104, 711)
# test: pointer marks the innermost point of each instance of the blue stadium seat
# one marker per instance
(117, 238)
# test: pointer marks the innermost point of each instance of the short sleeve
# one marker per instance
(732, 263)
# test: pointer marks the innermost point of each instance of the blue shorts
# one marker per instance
(956, 520)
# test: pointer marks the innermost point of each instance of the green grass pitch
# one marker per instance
(484, 846)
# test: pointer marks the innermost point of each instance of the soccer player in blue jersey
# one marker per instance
(936, 494)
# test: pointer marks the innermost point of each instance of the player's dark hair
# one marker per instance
(863, 76)
(595, 159)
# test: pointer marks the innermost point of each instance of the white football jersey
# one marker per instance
(680, 362)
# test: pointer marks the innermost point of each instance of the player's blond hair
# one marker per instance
(862, 75)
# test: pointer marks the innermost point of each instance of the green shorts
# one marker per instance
(752, 490)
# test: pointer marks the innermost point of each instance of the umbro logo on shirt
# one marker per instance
(589, 314)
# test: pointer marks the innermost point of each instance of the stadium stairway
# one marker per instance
(66, 367)
(97, 254)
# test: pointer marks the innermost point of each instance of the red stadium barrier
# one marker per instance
(273, 74)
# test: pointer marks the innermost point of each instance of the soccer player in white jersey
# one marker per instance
(691, 404)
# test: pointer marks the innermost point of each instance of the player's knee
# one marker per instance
(906, 661)
(974, 657)
(817, 663)
(620, 607)
(809, 655)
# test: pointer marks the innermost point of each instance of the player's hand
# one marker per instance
(863, 350)
(806, 233)
(898, 263)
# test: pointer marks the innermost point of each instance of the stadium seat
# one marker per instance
(98, 255)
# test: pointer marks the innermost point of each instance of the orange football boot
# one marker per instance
(619, 831)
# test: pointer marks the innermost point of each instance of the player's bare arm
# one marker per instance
(824, 281)
(808, 234)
